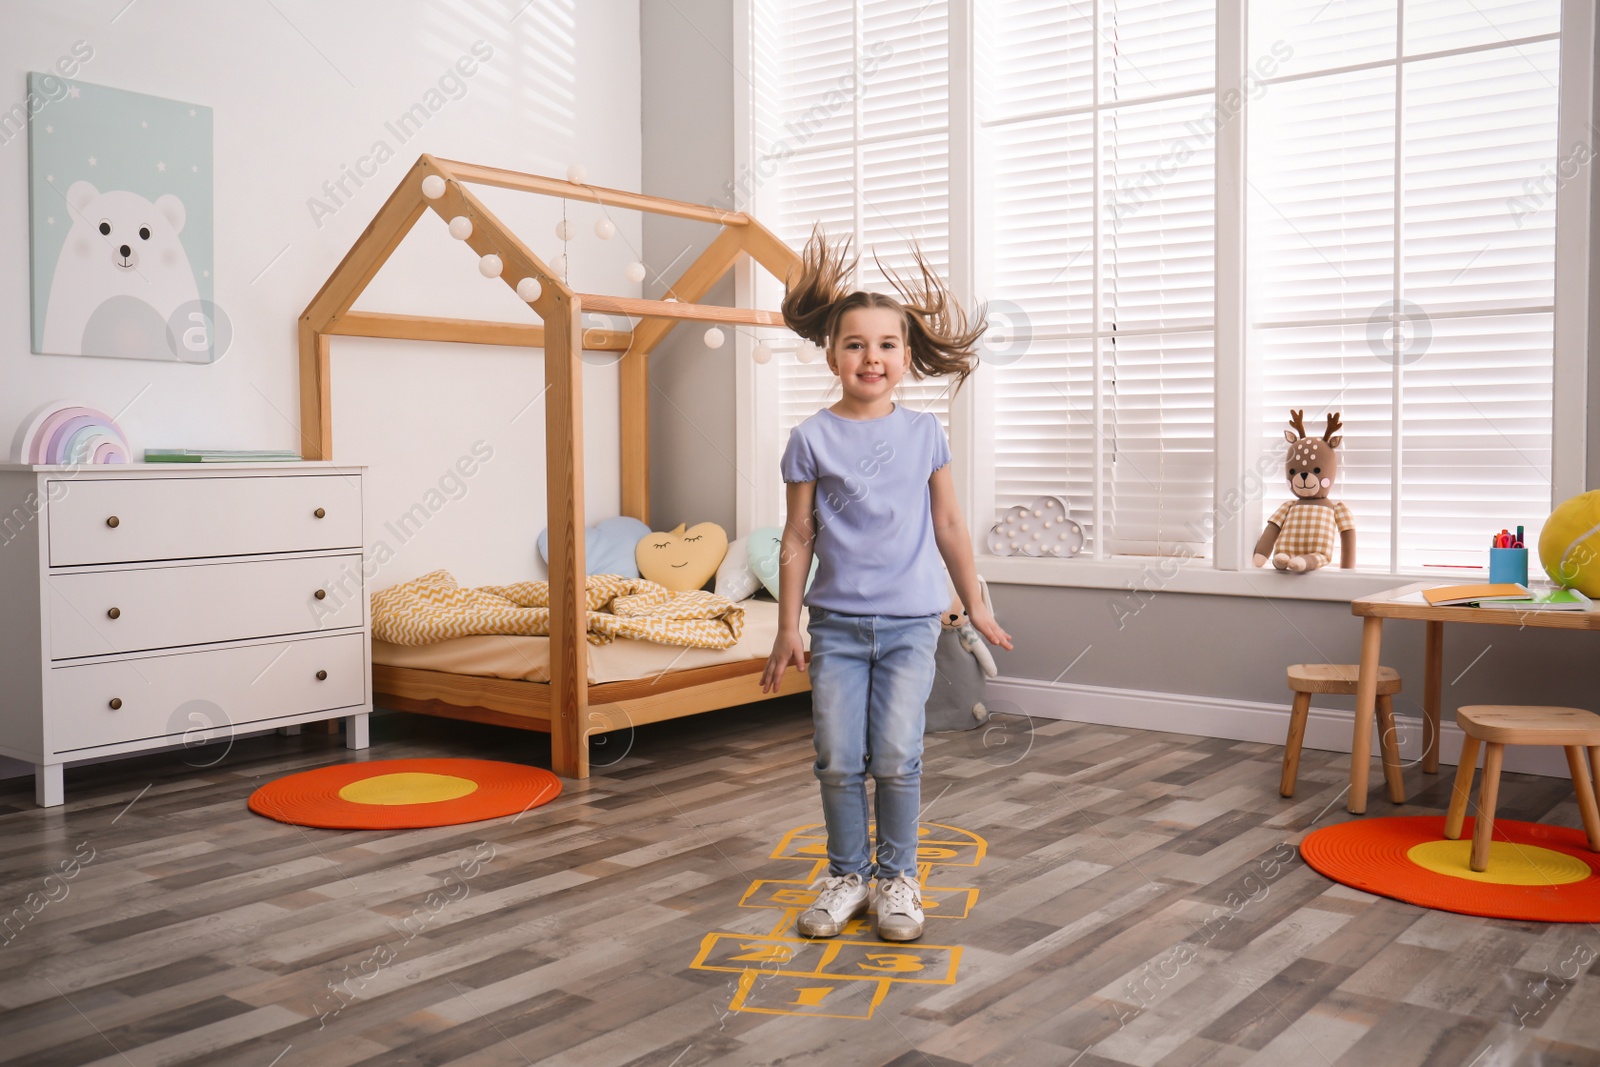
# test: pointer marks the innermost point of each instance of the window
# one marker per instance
(852, 120)
(1392, 255)
(1095, 127)
(1400, 270)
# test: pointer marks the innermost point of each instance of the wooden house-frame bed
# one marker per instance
(568, 707)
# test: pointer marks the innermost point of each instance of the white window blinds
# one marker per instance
(1096, 217)
(1401, 175)
(852, 128)
(1400, 247)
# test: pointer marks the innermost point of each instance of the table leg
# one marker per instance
(1366, 709)
(1432, 668)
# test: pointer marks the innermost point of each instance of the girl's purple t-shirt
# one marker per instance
(875, 550)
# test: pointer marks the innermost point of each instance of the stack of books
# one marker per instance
(220, 455)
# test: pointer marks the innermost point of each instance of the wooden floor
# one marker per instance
(1138, 903)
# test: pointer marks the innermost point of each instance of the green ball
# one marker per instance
(1569, 547)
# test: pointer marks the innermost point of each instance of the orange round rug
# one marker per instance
(404, 794)
(1536, 872)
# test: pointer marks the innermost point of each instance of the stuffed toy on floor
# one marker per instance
(963, 664)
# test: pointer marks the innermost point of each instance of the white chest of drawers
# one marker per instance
(150, 605)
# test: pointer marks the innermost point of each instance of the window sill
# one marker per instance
(1171, 574)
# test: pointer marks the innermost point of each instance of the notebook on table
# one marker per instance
(1551, 600)
(1450, 595)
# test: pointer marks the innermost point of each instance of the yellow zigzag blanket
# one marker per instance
(434, 608)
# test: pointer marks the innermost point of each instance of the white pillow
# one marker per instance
(735, 579)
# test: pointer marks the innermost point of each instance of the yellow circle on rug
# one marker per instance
(407, 787)
(1510, 863)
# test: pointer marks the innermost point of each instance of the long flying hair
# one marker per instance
(940, 338)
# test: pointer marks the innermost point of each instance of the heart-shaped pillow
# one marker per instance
(608, 546)
(682, 559)
(766, 545)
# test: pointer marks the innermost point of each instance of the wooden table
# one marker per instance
(1373, 610)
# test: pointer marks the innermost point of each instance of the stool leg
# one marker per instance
(1291, 747)
(1582, 786)
(1389, 746)
(1461, 792)
(1594, 770)
(1483, 826)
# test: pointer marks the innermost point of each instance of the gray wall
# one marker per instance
(1593, 475)
(1236, 647)
(687, 79)
(1205, 645)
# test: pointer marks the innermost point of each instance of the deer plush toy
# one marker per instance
(1303, 534)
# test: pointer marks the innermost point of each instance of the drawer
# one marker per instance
(168, 696)
(164, 607)
(126, 520)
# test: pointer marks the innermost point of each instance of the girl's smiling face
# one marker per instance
(869, 356)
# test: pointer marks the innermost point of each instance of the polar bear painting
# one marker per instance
(121, 276)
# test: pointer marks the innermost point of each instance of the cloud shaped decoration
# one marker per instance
(1038, 529)
(607, 546)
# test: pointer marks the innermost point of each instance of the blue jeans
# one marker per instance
(870, 679)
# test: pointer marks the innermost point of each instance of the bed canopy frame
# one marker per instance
(568, 707)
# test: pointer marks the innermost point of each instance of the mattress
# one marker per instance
(528, 658)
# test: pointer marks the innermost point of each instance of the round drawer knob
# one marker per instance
(322, 676)
(114, 613)
(320, 513)
(321, 594)
(113, 522)
(116, 703)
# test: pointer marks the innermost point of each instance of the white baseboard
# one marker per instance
(1328, 729)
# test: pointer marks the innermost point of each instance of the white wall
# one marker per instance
(302, 89)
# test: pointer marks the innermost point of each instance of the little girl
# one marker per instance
(869, 484)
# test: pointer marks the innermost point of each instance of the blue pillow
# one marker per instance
(608, 546)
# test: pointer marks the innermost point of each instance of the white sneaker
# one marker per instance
(841, 898)
(898, 902)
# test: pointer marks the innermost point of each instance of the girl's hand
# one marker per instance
(982, 620)
(786, 650)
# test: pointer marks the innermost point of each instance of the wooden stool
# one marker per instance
(1499, 725)
(1340, 678)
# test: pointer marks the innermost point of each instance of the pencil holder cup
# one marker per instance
(1508, 565)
